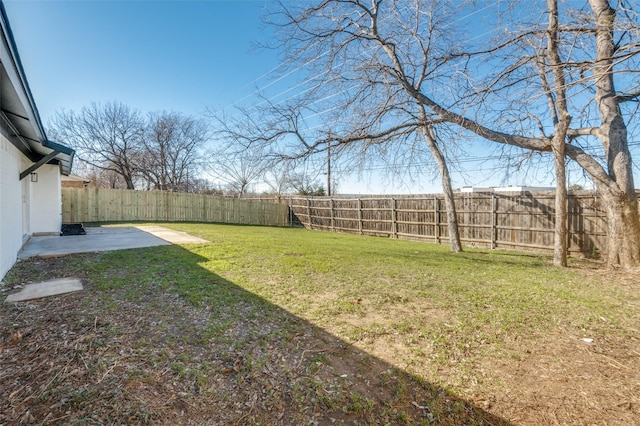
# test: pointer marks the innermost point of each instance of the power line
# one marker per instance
(334, 107)
(311, 78)
(432, 164)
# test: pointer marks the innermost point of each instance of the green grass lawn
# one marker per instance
(336, 280)
(438, 315)
(440, 305)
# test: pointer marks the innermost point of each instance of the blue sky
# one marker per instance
(185, 56)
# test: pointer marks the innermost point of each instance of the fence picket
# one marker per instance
(116, 205)
(515, 221)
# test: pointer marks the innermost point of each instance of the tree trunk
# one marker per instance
(620, 199)
(452, 217)
(623, 230)
(623, 216)
(128, 180)
(560, 237)
(562, 119)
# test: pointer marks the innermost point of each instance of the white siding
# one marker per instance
(46, 201)
(11, 199)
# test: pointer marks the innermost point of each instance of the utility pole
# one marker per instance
(329, 169)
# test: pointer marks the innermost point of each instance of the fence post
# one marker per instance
(493, 221)
(394, 224)
(333, 229)
(360, 216)
(436, 220)
(308, 213)
(569, 210)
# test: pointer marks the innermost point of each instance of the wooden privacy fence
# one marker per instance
(118, 205)
(495, 220)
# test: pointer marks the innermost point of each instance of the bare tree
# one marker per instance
(278, 177)
(306, 184)
(172, 150)
(204, 186)
(107, 136)
(452, 217)
(102, 178)
(517, 89)
(376, 118)
(561, 118)
(238, 168)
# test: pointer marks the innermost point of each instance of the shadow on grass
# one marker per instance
(157, 338)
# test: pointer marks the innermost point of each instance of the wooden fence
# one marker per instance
(494, 220)
(117, 205)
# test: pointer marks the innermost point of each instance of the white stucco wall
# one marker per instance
(46, 201)
(10, 204)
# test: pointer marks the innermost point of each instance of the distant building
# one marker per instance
(524, 188)
(503, 189)
(470, 189)
(74, 181)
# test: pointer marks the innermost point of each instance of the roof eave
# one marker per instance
(42, 146)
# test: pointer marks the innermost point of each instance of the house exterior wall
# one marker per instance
(11, 204)
(26, 207)
(46, 201)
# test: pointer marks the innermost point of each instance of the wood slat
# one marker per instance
(518, 221)
(84, 205)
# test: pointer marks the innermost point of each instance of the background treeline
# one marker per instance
(119, 147)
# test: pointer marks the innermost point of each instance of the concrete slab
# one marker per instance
(44, 289)
(171, 236)
(105, 239)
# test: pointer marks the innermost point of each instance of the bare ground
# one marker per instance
(574, 379)
(103, 357)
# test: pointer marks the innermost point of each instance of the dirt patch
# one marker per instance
(585, 377)
(563, 379)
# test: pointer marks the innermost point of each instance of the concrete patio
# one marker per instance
(96, 239)
(106, 239)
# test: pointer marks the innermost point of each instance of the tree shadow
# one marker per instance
(158, 338)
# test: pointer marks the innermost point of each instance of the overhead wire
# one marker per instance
(311, 78)
(334, 107)
(431, 163)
